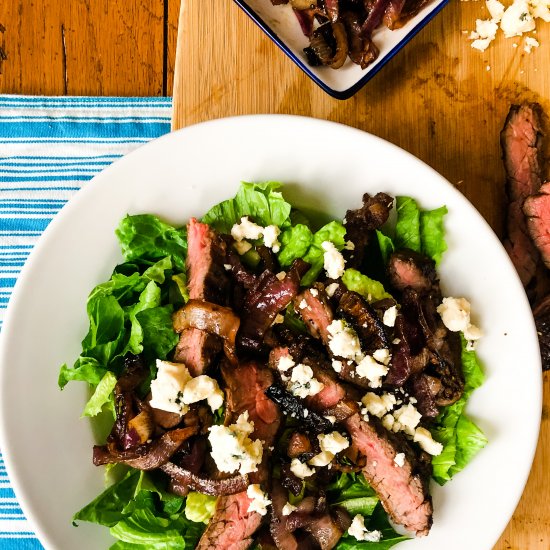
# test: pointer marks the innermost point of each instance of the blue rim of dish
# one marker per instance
(344, 94)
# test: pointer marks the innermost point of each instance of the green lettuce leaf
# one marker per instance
(300, 242)
(417, 229)
(85, 369)
(262, 202)
(103, 395)
(385, 244)
(370, 289)
(378, 521)
(407, 227)
(432, 233)
(460, 437)
(295, 243)
(352, 492)
(145, 236)
(334, 232)
(149, 298)
(124, 314)
(159, 337)
(200, 508)
(142, 515)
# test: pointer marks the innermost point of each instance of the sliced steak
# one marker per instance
(208, 281)
(313, 307)
(268, 297)
(245, 391)
(318, 315)
(407, 268)
(333, 400)
(537, 210)
(403, 490)
(233, 525)
(206, 253)
(362, 222)
(197, 350)
(443, 350)
(520, 140)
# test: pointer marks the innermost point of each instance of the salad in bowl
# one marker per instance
(267, 378)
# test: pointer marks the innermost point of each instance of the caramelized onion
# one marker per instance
(183, 480)
(145, 457)
(210, 318)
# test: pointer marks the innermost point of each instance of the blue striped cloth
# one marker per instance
(49, 148)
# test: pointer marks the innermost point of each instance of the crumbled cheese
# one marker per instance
(278, 319)
(330, 418)
(530, 43)
(203, 387)
(271, 232)
(303, 304)
(168, 386)
(358, 530)
(242, 247)
(302, 383)
(331, 289)
(382, 355)
(399, 460)
(389, 316)
(343, 341)
(281, 275)
(396, 341)
(288, 509)
(246, 230)
(349, 245)
(333, 442)
(455, 314)
(424, 438)
(314, 292)
(227, 267)
(337, 365)
(496, 9)
(388, 421)
(372, 370)
(324, 458)
(517, 19)
(514, 19)
(408, 416)
(260, 502)
(541, 9)
(252, 231)
(378, 405)
(334, 262)
(285, 362)
(232, 449)
(299, 469)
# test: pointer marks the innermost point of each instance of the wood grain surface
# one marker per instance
(88, 47)
(438, 99)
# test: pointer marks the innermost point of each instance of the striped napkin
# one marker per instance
(49, 148)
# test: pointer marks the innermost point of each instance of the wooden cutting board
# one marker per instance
(438, 99)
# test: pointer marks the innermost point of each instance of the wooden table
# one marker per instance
(438, 99)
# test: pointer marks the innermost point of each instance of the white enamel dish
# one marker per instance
(327, 167)
(281, 25)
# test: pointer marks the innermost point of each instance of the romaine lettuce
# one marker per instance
(370, 289)
(460, 437)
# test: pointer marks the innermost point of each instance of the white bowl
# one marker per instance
(281, 25)
(48, 448)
